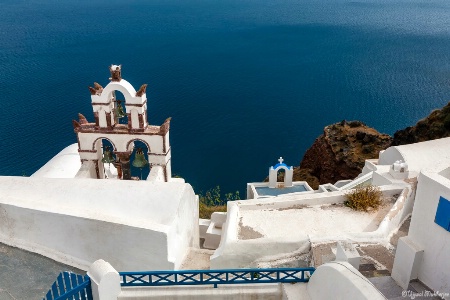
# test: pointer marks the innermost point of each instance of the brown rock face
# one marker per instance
(340, 152)
(435, 126)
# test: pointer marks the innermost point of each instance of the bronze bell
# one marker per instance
(139, 160)
(107, 155)
(119, 110)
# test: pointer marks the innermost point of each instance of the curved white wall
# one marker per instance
(419, 155)
(389, 156)
(340, 280)
(65, 164)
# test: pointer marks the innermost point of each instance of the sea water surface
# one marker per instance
(245, 81)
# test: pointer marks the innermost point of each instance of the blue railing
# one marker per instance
(215, 277)
(70, 286)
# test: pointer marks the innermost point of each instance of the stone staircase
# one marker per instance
(211, 230)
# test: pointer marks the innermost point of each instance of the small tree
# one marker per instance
(363, 198)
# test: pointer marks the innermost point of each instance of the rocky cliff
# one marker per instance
(435, 126)
(340, 152)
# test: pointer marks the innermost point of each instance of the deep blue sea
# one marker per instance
(245, 81)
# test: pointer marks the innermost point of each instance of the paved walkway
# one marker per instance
(389, 288)
(27, 276)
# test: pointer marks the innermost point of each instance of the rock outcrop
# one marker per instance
(339, 153)
(435, 126)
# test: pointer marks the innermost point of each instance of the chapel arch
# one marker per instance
(281, 174)
(130, 144)
(114, 148)
(118, 101)
(276, 172)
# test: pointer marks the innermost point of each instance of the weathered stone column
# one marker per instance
(125, 162)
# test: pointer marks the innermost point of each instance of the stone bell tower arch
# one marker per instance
(105, 104)
(105, 107)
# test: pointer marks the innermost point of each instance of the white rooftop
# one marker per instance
(150, 204)
(316, 221)
(419, 155)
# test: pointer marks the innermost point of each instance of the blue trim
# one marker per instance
(281, 165)
(215, 277)
(443, 214)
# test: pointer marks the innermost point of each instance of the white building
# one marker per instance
(266, 230)
(68, 211)
(425, 253)
(107, 111)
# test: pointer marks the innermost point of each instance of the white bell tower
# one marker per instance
(106, 110)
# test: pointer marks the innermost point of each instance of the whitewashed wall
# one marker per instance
(65, 164)
(435, 240)
(132, 224)
(77, 241)
(389, 156)
(184, 230)
(339, 280)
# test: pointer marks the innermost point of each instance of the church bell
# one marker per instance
(107, 155)
(119, 110)
(139, 160)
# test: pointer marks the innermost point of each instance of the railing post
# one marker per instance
(105, 281)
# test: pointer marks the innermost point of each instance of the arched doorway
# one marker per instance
(281, 174)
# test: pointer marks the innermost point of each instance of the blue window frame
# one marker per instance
(443, 214)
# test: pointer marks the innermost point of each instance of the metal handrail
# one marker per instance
(215, 277)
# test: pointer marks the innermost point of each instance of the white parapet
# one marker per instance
(156, 174)
(353, 183)
(65, 164)
(407, 262)
(336, 280)
(340, 280)
(105, 281)
(268, 291)
(214, 232)
(346, 251)
(203, 225)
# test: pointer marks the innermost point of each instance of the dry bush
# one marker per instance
(364, 198)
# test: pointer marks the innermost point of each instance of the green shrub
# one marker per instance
(364, 198)
(212, 201)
